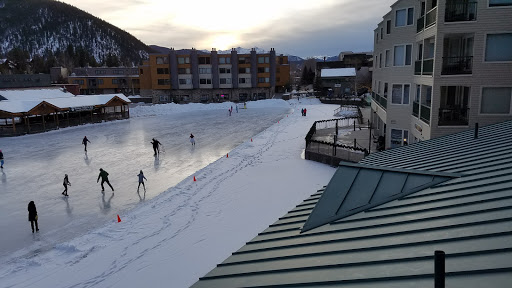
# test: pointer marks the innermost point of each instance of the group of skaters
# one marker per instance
(103, 175)
(304, 110)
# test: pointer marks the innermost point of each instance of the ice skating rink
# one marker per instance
(35, 166)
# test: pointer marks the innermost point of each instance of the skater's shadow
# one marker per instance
(156, 164)
(192, 148)
(106, 204)
(4, 177)
(142, 198)
(69, 210)
(87, 159)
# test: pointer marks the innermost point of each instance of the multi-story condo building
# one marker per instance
(440, 67)
(106, 80)
(198, 76)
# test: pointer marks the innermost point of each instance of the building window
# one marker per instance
(400, 94)
(183, 70)
(164, 98)
(162, 60)
(225, 80)
(496, 100)
(183, 60)
(267, 59)
(141, 71)
(385, 94)
(162, 70)
(222, 60)
(267, 80)
(115, 81)
(261, 60)
(205, 70)
(388, 27)
(377, 37)
(261, 79)
(243, 80)
(164, 81)
(380, 60)
(100, 72)
(381, 33)
(376, 61)
(404, 17)
(246, 70)
(261, 69)
(186, 81)
(500, 3)
(100, 81)
(399, 137)
(224, 70)
(243, 60)
(497, 47)
(402, 55)
(387, 63)
(205, 81)
(204, 60)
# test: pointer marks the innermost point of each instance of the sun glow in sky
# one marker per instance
(298, 27)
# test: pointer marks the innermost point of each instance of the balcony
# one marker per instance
(428, 67)
(457, 65)
(461, 11)
(383, 102)
(431, 17)
(420, 24)
(415, 108)
(453, 116)
(425, 113)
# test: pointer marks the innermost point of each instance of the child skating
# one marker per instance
(141, 181)
(1, 160)
(192, 141)
(66, 183)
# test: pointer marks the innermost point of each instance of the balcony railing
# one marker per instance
(431, 17)
(428, 67)
(383, 102)
(420, 24)
(450, 116)
(425, 113)
(457, 65)
(415, 108)
(417, 67)
(461, 11)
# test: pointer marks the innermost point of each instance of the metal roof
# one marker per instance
(355, 188)
(393, 244)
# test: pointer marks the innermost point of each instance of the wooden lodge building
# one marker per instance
(35, 110)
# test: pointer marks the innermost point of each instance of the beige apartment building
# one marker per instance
(440, 67)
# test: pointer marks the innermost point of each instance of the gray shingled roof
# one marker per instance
(392, 245)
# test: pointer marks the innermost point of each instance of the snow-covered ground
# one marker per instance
(167, 239)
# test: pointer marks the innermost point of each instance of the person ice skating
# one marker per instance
(192, 141)
(302, 111)
(141, 181)
(236, 108)
(104, 178)
(156, 145)
(32, 215)
(305, 111)
(85, 143)
(1, 160)
(66, 183)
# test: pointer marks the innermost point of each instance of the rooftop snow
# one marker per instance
(338, 72)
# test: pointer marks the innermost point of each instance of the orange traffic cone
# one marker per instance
(194, 178)
(227, 155)
(118, 218)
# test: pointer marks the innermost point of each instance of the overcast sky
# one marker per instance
(297, 27)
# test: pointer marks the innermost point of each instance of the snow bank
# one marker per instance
(171, 108)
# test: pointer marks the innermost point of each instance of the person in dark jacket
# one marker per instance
(1, 159)
(192, 140)
(66, 183)
(141, 181)
(104, 178)
(85, 142)
(32, 215)
(156, 145)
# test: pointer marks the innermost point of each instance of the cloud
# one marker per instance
(303, 28)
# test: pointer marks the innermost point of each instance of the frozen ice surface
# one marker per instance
(35, 167)
(177, 236)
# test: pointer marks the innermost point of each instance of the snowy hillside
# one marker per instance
(40, 26)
